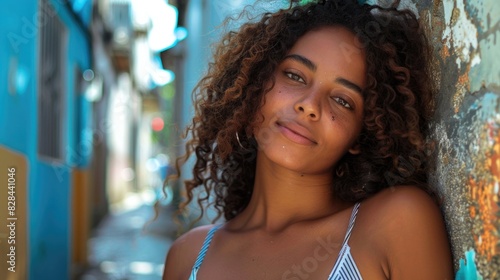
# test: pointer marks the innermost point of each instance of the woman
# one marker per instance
(310, 133)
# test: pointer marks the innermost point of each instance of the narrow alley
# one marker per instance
(129, 244)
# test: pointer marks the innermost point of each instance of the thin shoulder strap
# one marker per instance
(351, 223)
(345, 267)
(204, 247)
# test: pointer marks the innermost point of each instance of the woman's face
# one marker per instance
(313, 114)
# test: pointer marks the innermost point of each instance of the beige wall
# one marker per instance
(13, 222)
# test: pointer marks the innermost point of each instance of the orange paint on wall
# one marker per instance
(445, 51)
(482, 193)
(485, 195)
(495, 161)
(464, 78)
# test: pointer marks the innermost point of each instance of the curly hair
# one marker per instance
(397, 102)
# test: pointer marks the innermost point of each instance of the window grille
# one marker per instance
(51, 83)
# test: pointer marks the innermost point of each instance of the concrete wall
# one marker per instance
(466, 127)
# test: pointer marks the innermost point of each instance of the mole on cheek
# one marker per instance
(333, 117)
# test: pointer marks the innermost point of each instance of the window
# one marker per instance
(51, 83)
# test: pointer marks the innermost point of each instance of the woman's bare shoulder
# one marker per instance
(405, 197)
(393, 209)
(183, 253)
(409, 229)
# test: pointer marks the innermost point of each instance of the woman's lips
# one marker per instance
(296, 133)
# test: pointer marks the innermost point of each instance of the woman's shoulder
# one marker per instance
(407, 227)
(399, 206)
(191, 240)
(184, 251)
(403, 198)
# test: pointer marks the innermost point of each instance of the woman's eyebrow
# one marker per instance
(349, 84)
(309, 64)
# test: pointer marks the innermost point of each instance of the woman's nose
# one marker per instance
(309, 105)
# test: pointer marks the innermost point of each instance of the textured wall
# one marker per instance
(466, 127)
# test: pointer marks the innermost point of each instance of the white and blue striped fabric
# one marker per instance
(344, 269)
(203, 252)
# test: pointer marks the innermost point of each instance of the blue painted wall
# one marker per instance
(49, 184)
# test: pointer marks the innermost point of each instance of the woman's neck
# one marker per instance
(283, 197)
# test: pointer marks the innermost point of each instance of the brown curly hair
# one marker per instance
(397, 101)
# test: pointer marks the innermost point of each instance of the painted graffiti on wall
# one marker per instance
(466, 127)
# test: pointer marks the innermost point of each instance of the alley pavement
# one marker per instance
(128, 244)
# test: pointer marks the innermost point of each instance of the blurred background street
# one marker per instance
(129, 244)
(94, 98)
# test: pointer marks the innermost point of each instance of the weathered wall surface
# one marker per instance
(467, 127)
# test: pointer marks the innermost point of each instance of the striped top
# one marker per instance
(344, 269)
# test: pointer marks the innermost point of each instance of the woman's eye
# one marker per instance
(342, 102)
(294, 77)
